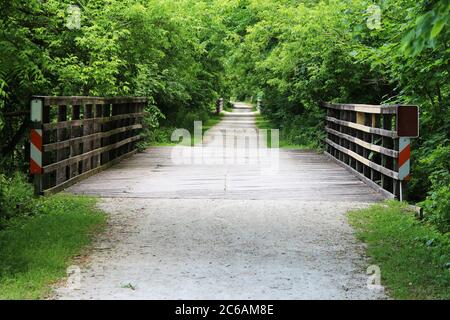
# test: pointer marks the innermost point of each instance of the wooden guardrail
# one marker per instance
(75, 137)
(373, 142)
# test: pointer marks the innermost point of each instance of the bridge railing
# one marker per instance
(373, 142)
(75, 137)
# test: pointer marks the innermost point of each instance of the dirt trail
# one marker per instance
(226, 230)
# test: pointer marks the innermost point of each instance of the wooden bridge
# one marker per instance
(203, 223)
(301, 175)
(70, 145)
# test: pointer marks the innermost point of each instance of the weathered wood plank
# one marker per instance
(90, 137)
(367, 162)
(360, 176)
(366, 108)
(104, 120)
(367, 145)
(87, 174)
(381, 132)
(86, 155)
(80, 100)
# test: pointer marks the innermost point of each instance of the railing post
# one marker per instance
(36, 143)
(219, 106)
(403, 163)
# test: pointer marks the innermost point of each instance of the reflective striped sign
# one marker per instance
(404, 158)
(36, 138)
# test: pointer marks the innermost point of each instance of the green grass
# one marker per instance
(413, 257)
(36, 250)
(263, 123)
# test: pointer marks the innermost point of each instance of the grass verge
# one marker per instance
(413, 257)
(36, 250)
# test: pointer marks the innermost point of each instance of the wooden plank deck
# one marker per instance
(301, 175)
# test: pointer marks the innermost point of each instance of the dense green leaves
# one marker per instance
(171, 52)
(428, 27)
(299, 53)
(184, 54)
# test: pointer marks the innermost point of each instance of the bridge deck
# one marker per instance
(301, 175)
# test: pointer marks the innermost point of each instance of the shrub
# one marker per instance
(151, 123)
(185, 118)
(304, 130)
(437, 204)
(16, 197)
(437, 208)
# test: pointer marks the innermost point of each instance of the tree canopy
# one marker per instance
(184, 54)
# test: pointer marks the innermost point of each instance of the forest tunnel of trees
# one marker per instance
(183, 55)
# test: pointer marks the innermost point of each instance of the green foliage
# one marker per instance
(437, 204)
(150, 123)
(184, 54)
(297, 54)
(227, 105)
(169, 51)
(160, 136)
(428, 27)
(437, 207)
(16, 197)
(413, 258)
(292, 135)
(36, 250)
(185, 118)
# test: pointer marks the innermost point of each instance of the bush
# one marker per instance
(16, 197)
(437, 204)
(304, 130)
(437, 208)
(185, 118)
(151, 123)
(227, 105)
(156, 136)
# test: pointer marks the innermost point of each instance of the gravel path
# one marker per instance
(168, 241)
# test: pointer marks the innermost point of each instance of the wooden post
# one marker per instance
(98, 130)
(36, 143)
(105, 127)
(87, 130)
(60, 152)
(74, 146)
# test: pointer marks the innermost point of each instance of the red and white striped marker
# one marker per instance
(36, 137)
(404, 158)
